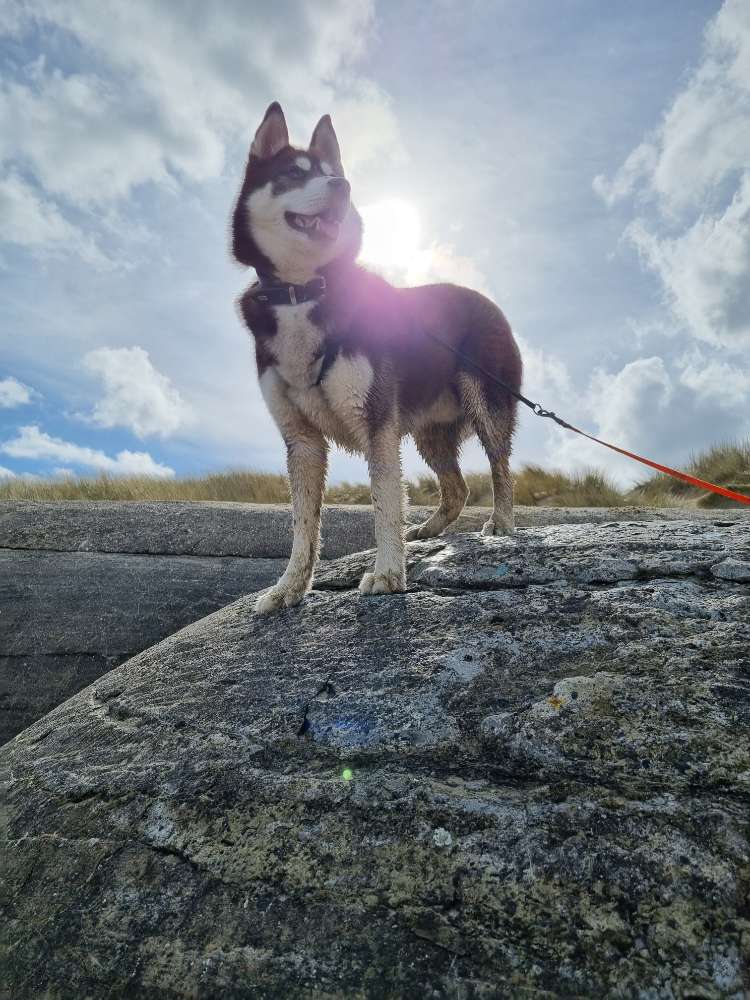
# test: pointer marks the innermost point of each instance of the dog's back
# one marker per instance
(430, 335)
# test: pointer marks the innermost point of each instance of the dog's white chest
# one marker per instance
(296, 345)
(337, 406)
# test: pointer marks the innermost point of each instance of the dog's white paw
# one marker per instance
(393, 582)
(278, 597)
(502, 528)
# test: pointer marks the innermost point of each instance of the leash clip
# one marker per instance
(541, 412)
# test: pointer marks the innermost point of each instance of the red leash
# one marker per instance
(675, 473)
(541, 412)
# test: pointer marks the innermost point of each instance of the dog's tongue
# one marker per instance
(328, 227)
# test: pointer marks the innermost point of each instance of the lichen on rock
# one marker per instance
(532, 782)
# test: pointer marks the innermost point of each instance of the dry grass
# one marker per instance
(249, 487)
(592, 488)
(349, 493)
(533, 486)
(726, 464)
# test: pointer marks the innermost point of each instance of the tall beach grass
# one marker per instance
(725, 464)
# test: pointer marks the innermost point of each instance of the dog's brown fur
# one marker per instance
(396, 346)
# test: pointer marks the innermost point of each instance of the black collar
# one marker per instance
(270, 291)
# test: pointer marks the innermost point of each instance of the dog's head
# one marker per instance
(293, 215)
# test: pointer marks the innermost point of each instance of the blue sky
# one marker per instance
(584, 163)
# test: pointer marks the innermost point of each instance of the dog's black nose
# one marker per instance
(340, 185)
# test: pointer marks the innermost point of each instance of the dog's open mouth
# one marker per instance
(322, 226)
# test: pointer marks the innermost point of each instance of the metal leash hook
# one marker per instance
(539, 411)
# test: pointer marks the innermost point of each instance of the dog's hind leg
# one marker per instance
(494, 422)
(438, 444)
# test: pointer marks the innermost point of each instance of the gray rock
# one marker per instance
(66, 618)
(174, 528)
(594, 554)
(531, 783)
(255, 530)
(732, 569)
(86, 585)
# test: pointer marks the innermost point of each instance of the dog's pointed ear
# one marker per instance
(272, 134)
(325, 145)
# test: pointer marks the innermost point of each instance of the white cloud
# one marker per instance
(630, 398)
(31, 442)
(441, 262)
(545, 375)
(706, 134)
(162, 102)
(694, 168)
(706, 271)
(137, 396)
(32, 222)
(6, 473)
(366, 127)
(171, 97)
(80, 141)
(639, 164)
(624, 407)
(704, 137)
(13, 393)
(724, 384)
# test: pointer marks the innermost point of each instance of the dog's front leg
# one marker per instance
(384, 460)
(307, 456)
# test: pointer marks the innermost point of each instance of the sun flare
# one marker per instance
(392, 234)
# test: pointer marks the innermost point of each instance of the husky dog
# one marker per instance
(345, 357)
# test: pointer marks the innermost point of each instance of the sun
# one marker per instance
(392, 234)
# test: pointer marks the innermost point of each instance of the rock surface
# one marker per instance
(66, 618)
(175, 528)
(528, 776)
(86, 585)
(247, 529)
